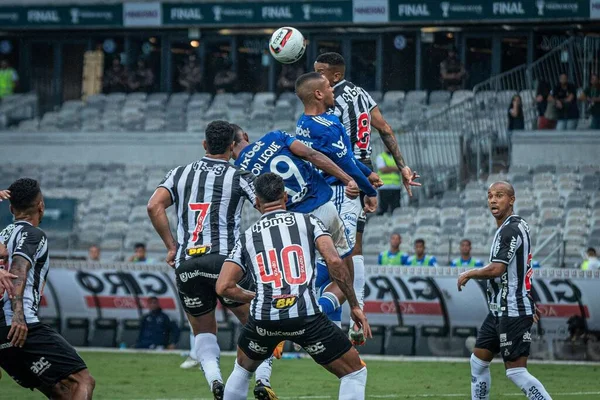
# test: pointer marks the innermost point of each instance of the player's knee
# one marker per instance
(478, 366)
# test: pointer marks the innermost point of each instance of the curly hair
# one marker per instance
(219, 136)
(23, 193)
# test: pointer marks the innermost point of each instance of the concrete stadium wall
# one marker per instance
(134, 148)
(555, 148)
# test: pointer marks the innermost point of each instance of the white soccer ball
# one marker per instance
(287, 45)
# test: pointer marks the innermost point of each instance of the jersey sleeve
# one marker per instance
(319, 228)
(453, 263)
(506, 245)
(379, 163)
(380, 258)
(478, 263)
(168, 183)
(237, 255)
(370, 101)
(30, 244)
(247, 186)
(286, 138)
(433, 262)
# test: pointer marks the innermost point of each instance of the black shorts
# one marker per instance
(196, 279)
(362, 217)
(509, 336)
(320, 337)
(46, 359)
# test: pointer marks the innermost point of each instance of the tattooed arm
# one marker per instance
(389, 140)
(18, 328)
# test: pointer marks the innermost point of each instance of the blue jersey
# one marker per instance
(326, 134)
(306, 188)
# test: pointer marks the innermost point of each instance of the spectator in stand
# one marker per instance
(591, 95)
(465, 259)
(452, 71)
(139, 255)
(115, 77)
(393, 256)
(546, 111)
(225, 79)
(156, 329)
(390, 192)
(190, 75)
(591, 262)
(564, 96)
(287, 77)
(9, 79)
(94, 253)
(420, 259)
(142, 79)
(516, 119)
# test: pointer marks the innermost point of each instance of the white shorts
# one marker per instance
(348, 209)
(328, 214)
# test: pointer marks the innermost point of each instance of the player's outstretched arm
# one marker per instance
(321, 161)
(492, 270)
(340, 274)
(18, 328)
(389, 139)
(157, 211)
(227, 287)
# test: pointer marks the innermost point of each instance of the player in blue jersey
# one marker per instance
(324, 132)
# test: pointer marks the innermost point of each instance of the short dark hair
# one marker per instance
(139, 246)
(305, 78)
(23, 193)
(219, 136)
(591, 250)
(238, 133)
(331, 58)
(420, 241)
(269, 187)
(466, 240)
(396, 234)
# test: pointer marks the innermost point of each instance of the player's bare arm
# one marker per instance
(157, 211)
(492, 270)
(324, 163)
(227, 287)
(341, 275)
(389, 140)
(18, 328)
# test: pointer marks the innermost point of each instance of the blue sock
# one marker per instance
(328, 303)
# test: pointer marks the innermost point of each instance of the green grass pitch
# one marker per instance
(121, 376)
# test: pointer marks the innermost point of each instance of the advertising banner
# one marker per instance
(407, 296)
(370, 11)
(468, 10)
(62, 16)
(256, 13)
(59, 214)
(142, 14)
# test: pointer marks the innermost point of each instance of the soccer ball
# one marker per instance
(287, 45)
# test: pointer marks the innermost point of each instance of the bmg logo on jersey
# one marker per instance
(258, 349)
(314, 349)
(40, 366)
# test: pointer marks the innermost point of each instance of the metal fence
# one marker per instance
(468, 138)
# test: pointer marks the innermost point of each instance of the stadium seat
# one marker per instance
(226, 336)
(401, 341)
(77, 331)
(376, 344)
(130, 330)
(105, 333)
(52, 322)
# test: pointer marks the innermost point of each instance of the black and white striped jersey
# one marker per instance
(24, 240)
(279, 251)
(508, 295)
(208, 195)
(353, 107)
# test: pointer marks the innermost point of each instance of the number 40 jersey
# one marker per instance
(307, 190)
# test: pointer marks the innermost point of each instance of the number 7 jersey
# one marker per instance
(279, 251)
(353, 107)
